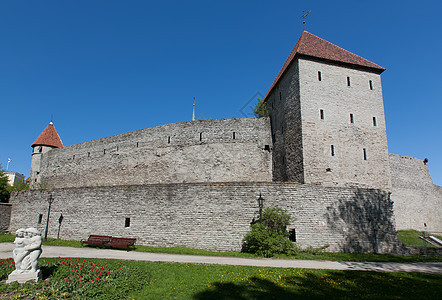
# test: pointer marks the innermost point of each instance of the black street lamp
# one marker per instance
(50, 199)
(260, 204)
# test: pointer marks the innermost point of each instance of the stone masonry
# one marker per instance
(197, 151)
(213, 216)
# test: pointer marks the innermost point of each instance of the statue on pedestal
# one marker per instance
(26, 253)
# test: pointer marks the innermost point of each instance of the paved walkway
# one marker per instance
(52, 251)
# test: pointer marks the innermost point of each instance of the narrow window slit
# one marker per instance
(127, 222)
(348, 81)
(321, 114)
(234, 135)
(332, 149)
(374, 121)
(351, 119)
(371, 84)
(365, 153)
(319, 76)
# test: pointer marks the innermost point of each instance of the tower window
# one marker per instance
(234, 135)
(370, 83)
(201, 136)
(332, 150)
(348, 81)
(374, 121)
(127, 222)
(365, 153)
(352, 120)
(319, 76)
(321, 114)
(40, 218)
(40, 149)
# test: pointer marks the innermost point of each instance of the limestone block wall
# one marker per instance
(343, 126)
(416, 199)
(284, 108)
(5, 216)
(197, 151)
(213, 216)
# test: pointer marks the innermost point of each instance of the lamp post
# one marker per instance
(50, 199)
(260, 205)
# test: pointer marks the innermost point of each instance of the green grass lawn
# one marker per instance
(411, 238)
(301, 255)
(112, 279)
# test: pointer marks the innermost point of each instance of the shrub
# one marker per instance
(269, 237)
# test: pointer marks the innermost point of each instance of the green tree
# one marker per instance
(4, 186)
(260, 109)
(269, 237)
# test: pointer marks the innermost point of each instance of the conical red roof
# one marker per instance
(313, 46)
(49, 137)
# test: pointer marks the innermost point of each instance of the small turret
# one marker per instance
(48, 140)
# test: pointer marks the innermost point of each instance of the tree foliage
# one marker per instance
(269, 237)
(260, 109)
(4, 187)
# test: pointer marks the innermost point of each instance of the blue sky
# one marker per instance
(105, 67)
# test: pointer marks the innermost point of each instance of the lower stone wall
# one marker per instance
(212, 216)
(5, 216)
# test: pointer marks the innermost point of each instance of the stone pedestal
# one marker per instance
(23, 277)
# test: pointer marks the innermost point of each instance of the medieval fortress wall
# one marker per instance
(226, 150)
(322, 155)
(213, 216)
(416, 199)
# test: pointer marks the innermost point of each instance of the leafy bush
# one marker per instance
(270, 237)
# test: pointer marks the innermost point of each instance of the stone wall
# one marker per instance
(213, 216)
(5, 216)
(311, 114)
(416, 199)
(360, 154)
(197, 151)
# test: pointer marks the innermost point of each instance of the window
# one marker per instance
(332, 150)
(40, 218)
(370, 83)
(292, 235)
(280, 96)
(201, 136)
(352, 120)
(374, 121)
(233, 135)
(282, 129)
(137, 144)
(168, 140)
(319, 76)
(348, 81)
(104, 151)
(365, 153)
(88, 154)
(321, 114)
(73, 157)
(267, 148)
(127, 222)
(40, 149)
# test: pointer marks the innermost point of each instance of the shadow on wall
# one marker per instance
(366, 222)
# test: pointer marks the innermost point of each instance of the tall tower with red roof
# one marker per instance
(47, 140)
(327, 118)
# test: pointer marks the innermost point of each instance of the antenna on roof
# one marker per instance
(303, 17)
(193, 112)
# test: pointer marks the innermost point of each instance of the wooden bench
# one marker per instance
(97, 240)
(118, 242)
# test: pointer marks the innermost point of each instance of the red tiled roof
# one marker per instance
(49, 137)
(313, 46)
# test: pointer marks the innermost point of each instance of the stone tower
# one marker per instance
(327, 118)
(47, 140)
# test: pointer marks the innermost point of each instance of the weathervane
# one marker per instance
(303, 18)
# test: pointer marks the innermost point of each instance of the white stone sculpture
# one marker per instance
(26, 253)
